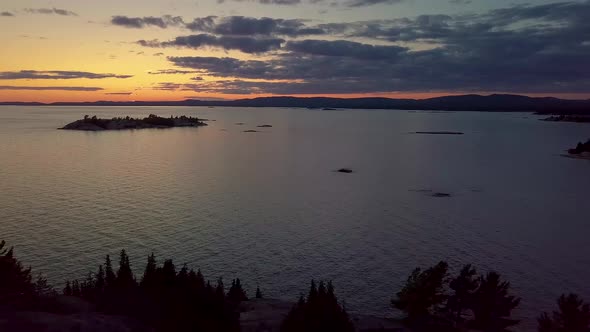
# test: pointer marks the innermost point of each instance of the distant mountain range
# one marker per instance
(492, 103)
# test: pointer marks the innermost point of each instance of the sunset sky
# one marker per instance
(73, 50)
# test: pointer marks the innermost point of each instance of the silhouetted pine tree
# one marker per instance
(423, 292)
(236, 293)
(573, 316)
(16, 286)
(219, 289)
(167, 274)
(149, 279)
(464, 285)
(100, 280)
(492, 304)
(125, 278)
(42, 287)
(109, 272)
(321, 312)
(76, 288)
(68, 289)
(258, 293)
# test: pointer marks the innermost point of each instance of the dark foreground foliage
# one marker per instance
(573, 316)
(167, 299)
(170, 299)
(430, 307)
(320, 312)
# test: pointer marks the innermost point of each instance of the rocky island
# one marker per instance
(152, 121)
(568, 118)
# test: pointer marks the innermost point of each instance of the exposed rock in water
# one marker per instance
(152, 121)
(239, 123)
(440, 132)
(568, 118)
(251, 131)
(265, 126)
(345, 170)
(441, 195)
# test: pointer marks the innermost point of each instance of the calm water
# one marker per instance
(267, 207)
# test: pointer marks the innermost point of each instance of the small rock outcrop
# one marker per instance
(345, 170)
(152, 121)
(265, 126)
(568, 118)
(439, 132)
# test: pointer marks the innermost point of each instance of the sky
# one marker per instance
(124, 50)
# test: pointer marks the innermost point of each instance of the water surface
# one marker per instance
(267, 206)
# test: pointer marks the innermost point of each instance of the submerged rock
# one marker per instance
(441, 195)
(440, 132)
(345, 170)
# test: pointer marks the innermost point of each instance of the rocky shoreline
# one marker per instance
(152, 121)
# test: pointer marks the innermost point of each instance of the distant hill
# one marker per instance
(492, 103)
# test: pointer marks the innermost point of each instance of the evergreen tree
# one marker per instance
(16, 284)
(125, 278)
(100, 280)
(109, 273)
(573, 316)
(258, 293)
(219, 289)
(76, 288)
(320, 312)
(68, 289)
(168, 273)
(492, 304)
(423, 292)
(42, 287)
(464, 285)
(236, 293)
(149, 279)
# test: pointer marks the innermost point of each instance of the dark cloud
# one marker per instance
(363, 3)
(346, 48)
(49, 11)
(55, 75)
(520, 49)
(142, 22)
(250, 26)
(241, 43)
(158, 54)
(44, 88)
(119, 93)
(172, 72)
(197, 78)
(346, 3)
(6, 14)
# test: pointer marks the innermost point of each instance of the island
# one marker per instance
(568, 118)
(152, 121)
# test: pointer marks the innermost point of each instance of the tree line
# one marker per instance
(170, 299)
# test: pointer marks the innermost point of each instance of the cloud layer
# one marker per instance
(55, 75)
(524, 48)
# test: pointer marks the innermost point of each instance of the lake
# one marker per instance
(268, 207)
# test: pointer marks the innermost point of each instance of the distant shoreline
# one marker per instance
(476, 103)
